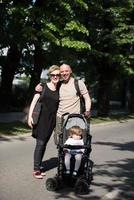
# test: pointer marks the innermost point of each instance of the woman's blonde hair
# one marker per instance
(75, 130)
(53, 68)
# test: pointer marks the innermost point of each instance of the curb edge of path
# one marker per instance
(21, 136)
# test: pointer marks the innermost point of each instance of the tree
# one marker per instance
(109, 25)
(40, 25)
(13, 20)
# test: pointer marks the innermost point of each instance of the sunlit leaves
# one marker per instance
(74, 44)
(76, 26)
(66, 6)
(82, 3)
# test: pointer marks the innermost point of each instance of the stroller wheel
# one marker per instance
(81, 187)
(51, 184)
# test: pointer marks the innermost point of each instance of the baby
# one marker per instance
(75, 138)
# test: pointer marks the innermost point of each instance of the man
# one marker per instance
(69, 101)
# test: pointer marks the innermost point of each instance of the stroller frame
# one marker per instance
(85, 175)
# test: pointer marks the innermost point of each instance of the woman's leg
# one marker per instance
(57, 130)
(39, 153)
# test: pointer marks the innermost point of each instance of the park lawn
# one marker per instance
(112, 118)
(17, 128)
(14, 128)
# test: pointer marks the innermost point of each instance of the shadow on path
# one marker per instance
(119, 172)
(11, 138)
(50, 164)
(128, 146)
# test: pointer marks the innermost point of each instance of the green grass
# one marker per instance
(17, 128)
(14, 128)
(116, 117)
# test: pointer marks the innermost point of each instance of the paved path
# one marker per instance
(12, 116)
(112, 153)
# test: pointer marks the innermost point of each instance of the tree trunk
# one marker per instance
(103, 98)
(37, 70)
(7, 75)
(124, 94)
(131, 96)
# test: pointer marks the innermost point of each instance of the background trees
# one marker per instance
(95, 37)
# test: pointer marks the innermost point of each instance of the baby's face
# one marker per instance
(76, 137)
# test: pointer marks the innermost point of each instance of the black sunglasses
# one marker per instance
(53, 75)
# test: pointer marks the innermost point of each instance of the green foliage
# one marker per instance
(111, 35)
(74, 44)
(94, 36)
(27, 24)
(14, 128)
(76, 26)
(66, 6)
(82, 3)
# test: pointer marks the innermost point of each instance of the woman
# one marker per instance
(47, 120)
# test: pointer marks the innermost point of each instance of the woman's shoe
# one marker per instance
(43, 173)
(37, 174)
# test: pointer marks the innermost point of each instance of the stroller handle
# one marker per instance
(74, 115)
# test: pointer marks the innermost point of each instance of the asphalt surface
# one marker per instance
(112, 153)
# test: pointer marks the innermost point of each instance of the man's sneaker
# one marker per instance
(37, 174)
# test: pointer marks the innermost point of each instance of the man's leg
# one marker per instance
(57, 130)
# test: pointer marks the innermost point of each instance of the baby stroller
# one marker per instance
(82, 182)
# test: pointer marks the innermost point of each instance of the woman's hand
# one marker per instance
(30, 122)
